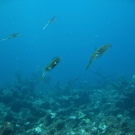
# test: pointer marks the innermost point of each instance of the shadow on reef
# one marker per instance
(108, 110)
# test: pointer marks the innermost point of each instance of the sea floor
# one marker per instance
(91, 110)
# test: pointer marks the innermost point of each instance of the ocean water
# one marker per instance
(70, 99)
(79, 29)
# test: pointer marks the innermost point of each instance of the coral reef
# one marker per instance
(6, 129)
(66, 110)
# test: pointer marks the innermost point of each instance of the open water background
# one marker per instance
(81, 26)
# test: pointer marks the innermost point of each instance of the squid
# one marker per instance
(11, 36)
(99, 52)
(49, 22)
(50, 66)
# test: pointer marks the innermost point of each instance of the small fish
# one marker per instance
(11, 36)
(99, 52)
(49, 22)
(50, 66)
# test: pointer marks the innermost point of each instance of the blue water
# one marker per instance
(80, 27)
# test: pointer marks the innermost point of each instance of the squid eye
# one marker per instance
(97, 55)
(49, 68)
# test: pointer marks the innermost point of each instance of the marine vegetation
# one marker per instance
(11, 36)
(49, 22)
(99, 52)
(50, 66)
